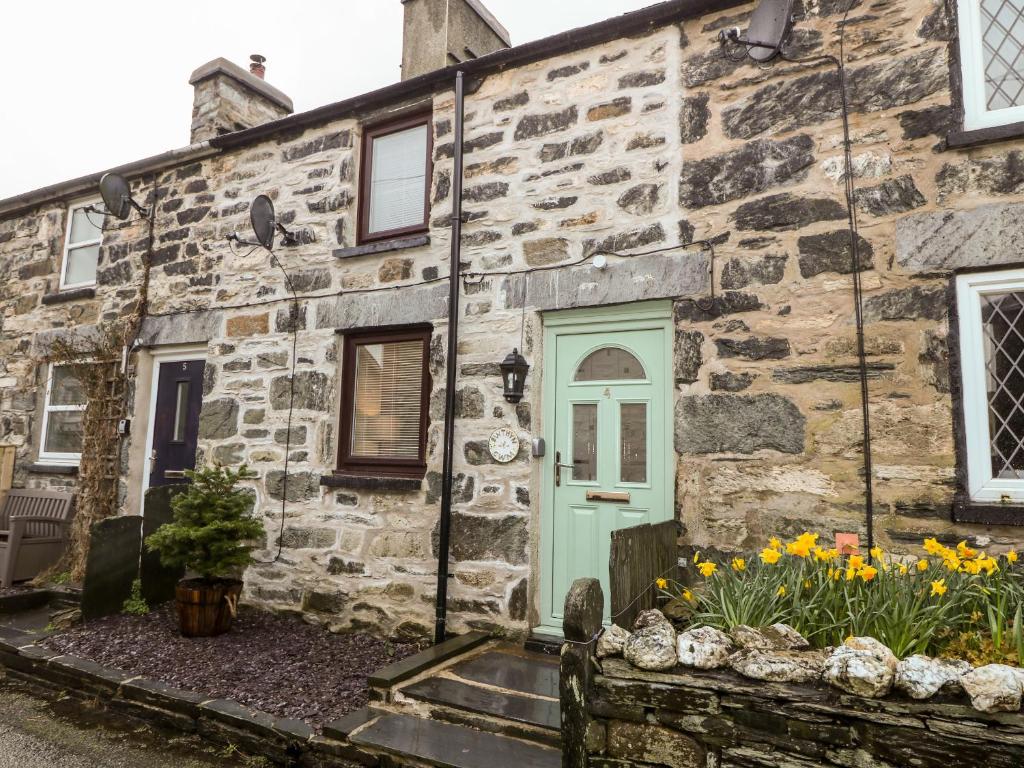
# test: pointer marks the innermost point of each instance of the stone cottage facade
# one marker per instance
(712, 187)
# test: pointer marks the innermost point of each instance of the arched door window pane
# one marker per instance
(610, 364)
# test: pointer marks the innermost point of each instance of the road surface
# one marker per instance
(71, 734)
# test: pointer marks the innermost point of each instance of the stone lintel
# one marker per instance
(677, 274)
(947, 240)
(403, 305)
(191, 328)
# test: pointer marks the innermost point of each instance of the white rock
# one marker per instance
(612, 641)
(993, 688)
(652, 647)
(777, 637)
(862, 666)
(921, 677)
(650, 618)
(704, 648)
(779, 666)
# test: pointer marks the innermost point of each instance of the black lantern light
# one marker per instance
(513, 375)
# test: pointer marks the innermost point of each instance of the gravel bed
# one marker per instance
(270, 662)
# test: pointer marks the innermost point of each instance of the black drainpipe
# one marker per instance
(444, 538)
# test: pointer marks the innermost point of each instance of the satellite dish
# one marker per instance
(117, 195)
(261, 214)
(769, 26)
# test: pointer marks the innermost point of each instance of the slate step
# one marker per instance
(542, 713)
(452, 746)
(537, 674)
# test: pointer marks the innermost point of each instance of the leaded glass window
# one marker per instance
(992, 62)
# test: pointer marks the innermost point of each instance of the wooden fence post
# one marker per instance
(584, 610)
(6, 469)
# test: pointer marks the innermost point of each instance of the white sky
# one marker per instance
(91, 85)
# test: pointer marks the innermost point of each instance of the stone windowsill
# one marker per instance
(963, 139)
(371, 482)
(73, 295)
(383, 246)
(41, 468)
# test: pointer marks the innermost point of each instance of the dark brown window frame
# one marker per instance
(378, 130)
(377, 467)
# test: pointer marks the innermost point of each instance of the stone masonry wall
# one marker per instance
(768, 421)
(658, 141)
(697, 719)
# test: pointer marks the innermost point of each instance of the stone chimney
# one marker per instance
(227, 98)
(439, 33)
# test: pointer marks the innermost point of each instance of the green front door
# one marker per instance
(609, 460)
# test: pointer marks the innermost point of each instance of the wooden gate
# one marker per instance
(639, 555)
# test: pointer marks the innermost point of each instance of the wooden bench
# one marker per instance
(33, 532)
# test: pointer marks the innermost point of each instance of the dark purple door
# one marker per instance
(179, 398)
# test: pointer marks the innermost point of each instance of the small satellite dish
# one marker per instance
(117, 196)
(264, 224)
(769, 26)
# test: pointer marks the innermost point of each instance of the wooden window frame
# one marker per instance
(378, 130)
(378, 467)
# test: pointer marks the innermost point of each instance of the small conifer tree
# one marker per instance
(212, 525)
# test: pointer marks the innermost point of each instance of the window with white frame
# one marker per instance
(992, 62)
(61, 441)
(81, 247)
(991, 310)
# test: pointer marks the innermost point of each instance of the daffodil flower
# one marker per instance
(662, 583)
(939, 588)
(707, 569)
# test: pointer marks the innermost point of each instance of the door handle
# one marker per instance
(174, 474)
(558, 468)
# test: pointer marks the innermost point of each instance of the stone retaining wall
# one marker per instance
(699, 719)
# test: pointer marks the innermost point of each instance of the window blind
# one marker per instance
(398, 179)
(386, 411)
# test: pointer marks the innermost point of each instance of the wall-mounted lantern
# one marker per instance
(513, 375)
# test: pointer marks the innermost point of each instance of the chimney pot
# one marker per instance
(256, 65)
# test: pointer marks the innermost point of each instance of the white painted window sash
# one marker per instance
(70, 246)
(972, 66)
(55, 457)
(982, 486)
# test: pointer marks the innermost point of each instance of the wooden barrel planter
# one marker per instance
(205, 608)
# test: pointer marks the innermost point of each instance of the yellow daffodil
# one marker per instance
(876, 553)
(831, 572)
(820, 555)
(867, 573)
(1011, 556)
(939, 588)
(696, 557)
(903, 569)
(851, 574)
(739, 564)
(837, 574)
(970, 566)
(964, 551)
(932, 546)
(662, 583)
(770, 556)
(922, 565)
(774, 543)
(989, 564)
(781, 591)
(952, 562)
(707, 569)
(798, 548)
(855, 562)
(807, 583)
(687, 595)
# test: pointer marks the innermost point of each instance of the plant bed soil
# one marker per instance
(274, 663)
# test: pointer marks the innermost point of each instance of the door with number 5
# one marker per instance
(610, 465)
